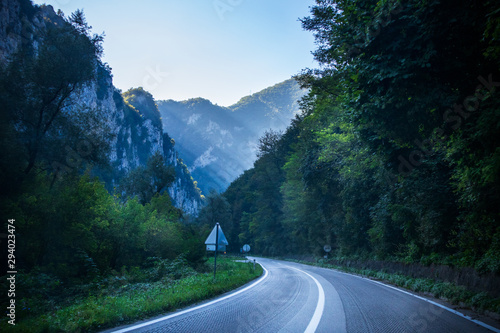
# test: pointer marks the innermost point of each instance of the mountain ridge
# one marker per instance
(218, 143)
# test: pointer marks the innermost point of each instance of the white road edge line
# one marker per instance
(318, 313)
(491, 328)
(480, 323)
(151, 322)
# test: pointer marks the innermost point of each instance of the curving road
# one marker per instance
(292, 297)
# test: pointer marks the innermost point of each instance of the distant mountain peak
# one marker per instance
(218, 143)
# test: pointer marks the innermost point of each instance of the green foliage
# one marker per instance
(146, 181)
(70, 215)
(395, 155)
(165, 286)
(216, 210)
(74, 238)
(144, 104)
(36, 86)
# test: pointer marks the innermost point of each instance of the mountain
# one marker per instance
(129, 124)
(202, 141)
(218, 143)
(139, 135)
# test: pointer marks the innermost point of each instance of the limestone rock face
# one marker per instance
(134, 137)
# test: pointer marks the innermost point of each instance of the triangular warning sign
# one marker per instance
(211, 238)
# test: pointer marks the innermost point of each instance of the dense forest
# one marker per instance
(72, 227)
(396, 154)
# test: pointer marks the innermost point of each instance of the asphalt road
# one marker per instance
(292, 297)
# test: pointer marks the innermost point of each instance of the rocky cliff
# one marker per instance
(135, 127)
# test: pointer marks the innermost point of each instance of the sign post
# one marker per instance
(216, 247)
(327, 249)
(215, 241)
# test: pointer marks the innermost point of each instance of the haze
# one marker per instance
(221, 50)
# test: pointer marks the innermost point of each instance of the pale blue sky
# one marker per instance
(221, 50)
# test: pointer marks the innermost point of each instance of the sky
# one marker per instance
(221, 50)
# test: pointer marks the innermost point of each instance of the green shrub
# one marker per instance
(119, 301)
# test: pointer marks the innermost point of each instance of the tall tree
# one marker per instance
(37, 84)
(145, 182)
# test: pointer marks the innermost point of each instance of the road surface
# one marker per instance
(292, 297)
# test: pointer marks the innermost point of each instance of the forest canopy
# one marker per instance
(396, 154)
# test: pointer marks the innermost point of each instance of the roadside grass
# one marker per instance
(481, 302)
(138, 301)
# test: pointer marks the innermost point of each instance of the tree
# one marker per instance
(404, 74)
(58, 222)
(145, 182)
(216, 210)
(269, 143)
(37, 85)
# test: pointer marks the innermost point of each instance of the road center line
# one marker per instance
(318, 313)
(151, 322)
